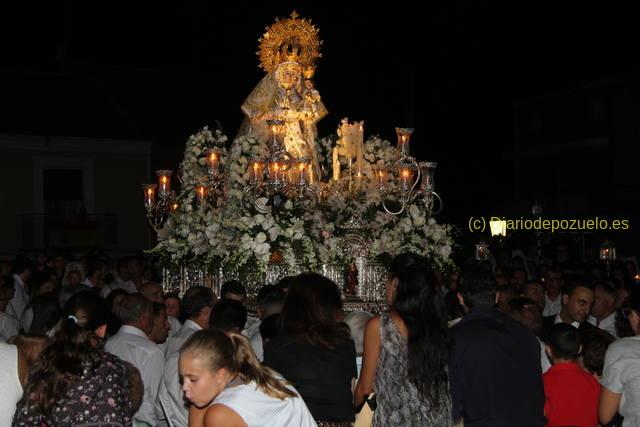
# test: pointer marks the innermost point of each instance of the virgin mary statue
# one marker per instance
(288, 51)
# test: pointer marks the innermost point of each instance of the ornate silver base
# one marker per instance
(370, 288)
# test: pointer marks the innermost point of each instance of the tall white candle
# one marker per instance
(336, 165)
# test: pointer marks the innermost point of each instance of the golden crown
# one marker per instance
(289, 40)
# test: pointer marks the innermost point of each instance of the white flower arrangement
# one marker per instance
(243, 241)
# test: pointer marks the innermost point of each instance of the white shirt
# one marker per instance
(252, 327)
(11, 390)
(26, 320)
(558, 319)
(8, 327)
(88, 283)
(544, 359)
(607, 324)
(621, 374)
(552, 307)
(171, 401)
(118, 283)
(256, 345)
(175, 326)
(258, 409)
(134, 346)
(19, 302)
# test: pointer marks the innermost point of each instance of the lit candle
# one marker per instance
(257, 171)
(310, 173)
(274, 169)
(381, 178)
(404, 134)
(359, 146)
(149, 194)
(405, 175)
(164, 181)
(174, 207)
(359, 178)
(213, 161)
(201, 191)
(336, 165)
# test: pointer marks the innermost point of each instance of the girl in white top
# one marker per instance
(227, 386)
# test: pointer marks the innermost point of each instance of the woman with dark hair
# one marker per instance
(314, 350)
(227, 385)
(74, 382)
(406, 351)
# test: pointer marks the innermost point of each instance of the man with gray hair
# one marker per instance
(196, 306)
(132, 344)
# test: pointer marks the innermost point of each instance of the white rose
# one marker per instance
(445, 251)
(261, 237)
(197, 151)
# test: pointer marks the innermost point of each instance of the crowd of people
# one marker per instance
(90, 342)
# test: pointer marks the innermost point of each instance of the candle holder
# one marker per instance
(158, 205)
(214, 176)
(413, 182)
(404, 136)
(289, 178)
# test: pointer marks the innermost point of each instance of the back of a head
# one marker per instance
(270, 327)
(357, 320)
(228, 316)
(564, 341)
(132, 308)
(528, 312)
(311, 310)
(232, 287)
(285, 283)
(195, 299)
(402, 262)
(73, 348)
(421, 305)
(270, 300)
(478, 287)
(21, 264)
(595, 343)
(152, 291)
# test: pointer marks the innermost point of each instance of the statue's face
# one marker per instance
(288, 74)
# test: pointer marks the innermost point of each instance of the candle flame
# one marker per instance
(163, 179)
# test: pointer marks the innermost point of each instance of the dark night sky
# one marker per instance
(160, 71)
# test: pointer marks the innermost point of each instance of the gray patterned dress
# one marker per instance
(398, 401)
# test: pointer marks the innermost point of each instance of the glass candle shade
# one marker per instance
(404, 136)
(164, 181)
(149, 195)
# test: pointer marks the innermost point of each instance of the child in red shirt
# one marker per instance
(571, 393)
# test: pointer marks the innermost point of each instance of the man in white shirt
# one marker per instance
(133, 345)
(577, 299)
(153, 292)
(122, 279)
(22, 269)
(196, 306)
(603, 312)
(270, 300)
(553, 283)
(94, 277)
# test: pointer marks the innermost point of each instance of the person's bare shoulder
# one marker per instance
(222, 416)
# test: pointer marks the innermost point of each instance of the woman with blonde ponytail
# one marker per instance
(227, 386)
